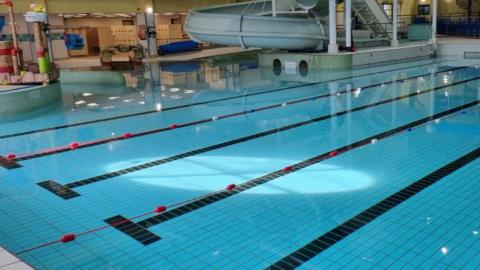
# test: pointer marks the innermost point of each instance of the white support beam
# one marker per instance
(348, 24)
(151, 32)
(332, 26)
(434, 23)
(274, 8)
(395, 23)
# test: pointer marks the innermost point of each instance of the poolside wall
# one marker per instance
(461, 48)
(29, 99)
(391, 54)
(340, 61)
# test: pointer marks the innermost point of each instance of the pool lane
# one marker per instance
(255, 228)
(247, 233)
(128, 136)
(56, 150)
(154, 111)
(126, 191)
(139, 230)
(66, 190)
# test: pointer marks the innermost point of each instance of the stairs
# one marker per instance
(462, 4)
(474, 6)
(374, 18)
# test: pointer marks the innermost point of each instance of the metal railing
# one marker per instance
(459, 25)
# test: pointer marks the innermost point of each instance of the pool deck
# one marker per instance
(198, 54)
(8, 261)
(94, 61)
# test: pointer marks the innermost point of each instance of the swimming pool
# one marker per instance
(235, 167)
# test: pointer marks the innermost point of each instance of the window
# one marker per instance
(388, 9)
(423, 9)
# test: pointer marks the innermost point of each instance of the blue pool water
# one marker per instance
(309, 156)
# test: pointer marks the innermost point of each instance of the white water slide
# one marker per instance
(279, 24)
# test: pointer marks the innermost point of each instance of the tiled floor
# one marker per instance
(10, 262)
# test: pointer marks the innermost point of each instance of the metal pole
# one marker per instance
(16, 52)
(395, 23)
(348, 24)
(151, 32)
(332, 26)
(47, 32)
(434, 24)
(274, 8)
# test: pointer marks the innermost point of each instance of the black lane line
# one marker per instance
(323, 242)
(201, 103)
(9, 164)
(132, 229)
(163, 129)
(196, 204)
(61, 189)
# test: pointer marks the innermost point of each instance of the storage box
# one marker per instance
(169, 78)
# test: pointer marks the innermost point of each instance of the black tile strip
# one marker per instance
(9, 164)
(58, 189)
(305, 253)
(110, 175)
(207, 200)
(133, 230)
(158, 130)
(204, 102)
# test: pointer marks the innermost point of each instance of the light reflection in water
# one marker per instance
(194, 174)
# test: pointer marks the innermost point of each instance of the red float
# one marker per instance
(11, 156)
(333, 154)
(74, 145)
(287, 169)
(174, 126)
(67, 238)
(231, 187)
(160, 209)
(127, 135)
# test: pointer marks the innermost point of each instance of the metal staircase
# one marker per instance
(373, 17)
(472, 7)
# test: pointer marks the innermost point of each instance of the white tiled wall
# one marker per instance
(391, 54)
(457, 48)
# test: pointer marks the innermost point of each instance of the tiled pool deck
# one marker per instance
(9, 261)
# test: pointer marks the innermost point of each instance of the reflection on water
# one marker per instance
(90, 94)
(333, 179)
